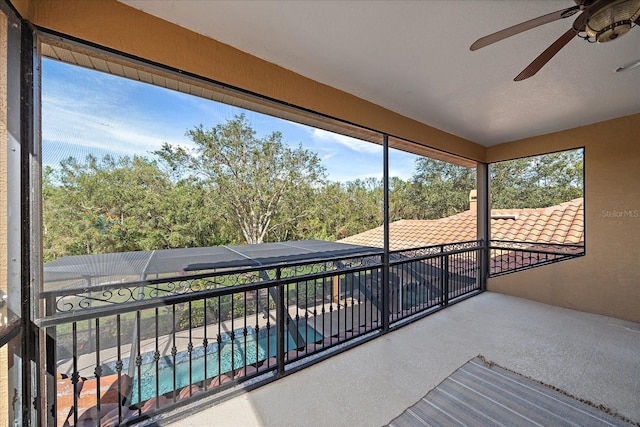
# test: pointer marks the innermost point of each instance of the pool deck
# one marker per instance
(592, 357)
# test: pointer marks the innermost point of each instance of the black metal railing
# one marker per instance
(122, 353)
(424, 278)
(510, 256)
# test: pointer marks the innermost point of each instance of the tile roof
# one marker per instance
(563, 223)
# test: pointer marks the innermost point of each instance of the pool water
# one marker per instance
(415, 297)
(267, 338)
(231, 355)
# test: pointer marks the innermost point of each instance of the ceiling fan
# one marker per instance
(600, 21)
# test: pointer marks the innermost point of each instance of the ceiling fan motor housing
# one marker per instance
(613, 20)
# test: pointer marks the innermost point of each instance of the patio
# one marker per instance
(443, 102)
(589, 356)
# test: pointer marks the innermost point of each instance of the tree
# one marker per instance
(401, 204)
(340, 210)
(440, 189)
(97, 206)
(254, 177)
(536, 182)
(125, 204)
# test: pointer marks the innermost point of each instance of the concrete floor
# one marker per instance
(589, 356)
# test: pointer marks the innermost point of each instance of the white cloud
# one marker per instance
(101, 125)
(351, 143)
(327, 156)
(87, 112)
(404, 174)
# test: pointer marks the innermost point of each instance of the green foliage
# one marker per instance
(308, 292)
(193, 318)
(258, 179)
(125, 204)
(338, 210)
(234, 187)
(107, 205)
(227, 307)
(440, 189)
(536, 182)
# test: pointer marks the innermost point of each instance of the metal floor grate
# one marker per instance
(483, 394)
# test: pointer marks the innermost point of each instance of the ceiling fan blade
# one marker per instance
(545, 56)
(524, 26)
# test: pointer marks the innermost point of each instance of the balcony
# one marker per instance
(127, 350)
(589, 356)
(124, 350)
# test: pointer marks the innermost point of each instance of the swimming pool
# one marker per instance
(230, 356)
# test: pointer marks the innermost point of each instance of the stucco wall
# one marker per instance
(607, 279)
(120, 27)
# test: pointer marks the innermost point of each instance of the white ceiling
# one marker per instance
(413, 57)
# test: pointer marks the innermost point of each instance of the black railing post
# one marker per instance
(482, 265)
(483, 212)
(445, 260)
(280, 321)
(442, 274)
(51, 368)
(98, 370)
(385, 255)
(31, 360)
(482, 270)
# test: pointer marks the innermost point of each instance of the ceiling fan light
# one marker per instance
(613, 20)
(628, 66)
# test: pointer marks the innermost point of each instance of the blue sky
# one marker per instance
(89, 112)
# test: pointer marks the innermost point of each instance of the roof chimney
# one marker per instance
(473, 201)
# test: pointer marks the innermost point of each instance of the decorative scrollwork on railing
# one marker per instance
(86, 299)
(538, 246)
(105, 294)
(510, 244)
(363, 261)
(563, 249)
(418, 252)
(435, 250)
(461, 246)
(287, 272)
(247, 278)
(198, 285)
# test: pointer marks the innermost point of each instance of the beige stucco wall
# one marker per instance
(607, 279)
(117, 26)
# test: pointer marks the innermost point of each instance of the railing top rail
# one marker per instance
(495, 242)
(441, 246)
(566, 250)
(537, 251)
